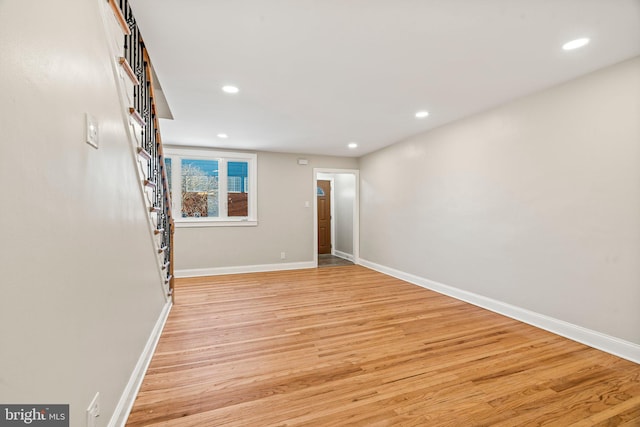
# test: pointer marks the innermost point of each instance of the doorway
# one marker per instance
(336, 217)
(323, 203)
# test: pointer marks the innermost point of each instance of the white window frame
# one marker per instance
(223, 157)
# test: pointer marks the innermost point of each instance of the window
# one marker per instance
(210, 188)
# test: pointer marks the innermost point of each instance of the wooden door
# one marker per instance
(324, 216)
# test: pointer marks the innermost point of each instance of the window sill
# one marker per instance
(186, 223)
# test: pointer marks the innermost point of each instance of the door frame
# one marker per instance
(356, 211)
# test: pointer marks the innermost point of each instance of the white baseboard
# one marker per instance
(123, 408)
(216, 271)
(343, 255)
(618, 347)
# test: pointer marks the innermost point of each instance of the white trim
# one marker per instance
(616, 346)
(213, 223)
(206, 153)
(223, 158)
(332, 212)
(216, 271)
(123, 408)
(343, 255)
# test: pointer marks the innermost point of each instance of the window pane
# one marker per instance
(199, 188)
(237, 191)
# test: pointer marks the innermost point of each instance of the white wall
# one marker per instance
(284, 223)
(345, 192)
(535, 203)
(81, 290)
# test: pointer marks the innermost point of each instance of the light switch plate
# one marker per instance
(93, 411)
(92, 130)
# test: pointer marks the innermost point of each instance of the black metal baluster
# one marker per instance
(134, 53)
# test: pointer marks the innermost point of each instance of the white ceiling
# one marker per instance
(315, 75)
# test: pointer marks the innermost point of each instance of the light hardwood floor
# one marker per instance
(347, 346)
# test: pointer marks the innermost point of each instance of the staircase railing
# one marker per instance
(137, 65)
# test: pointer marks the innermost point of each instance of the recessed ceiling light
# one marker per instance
(230, 89)
(222, 135)
(422, 114)
(575, 44)
(352, 145)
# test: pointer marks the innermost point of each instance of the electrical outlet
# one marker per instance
(283, 255)
(91, 130)
(93, 411)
